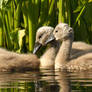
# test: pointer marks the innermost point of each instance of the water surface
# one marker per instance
(46, 81)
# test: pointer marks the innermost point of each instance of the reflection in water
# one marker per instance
(46, 81)
(63, 81)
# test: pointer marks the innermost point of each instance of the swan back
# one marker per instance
(11, 61)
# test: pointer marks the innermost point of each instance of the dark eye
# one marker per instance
(70, 30)
(40, 37)
(56, 31)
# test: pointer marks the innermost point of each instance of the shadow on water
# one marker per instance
(46, 81)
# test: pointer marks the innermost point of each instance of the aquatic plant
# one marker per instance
(19, 20)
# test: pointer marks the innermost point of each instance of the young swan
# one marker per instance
(64, 59)
(44, 35)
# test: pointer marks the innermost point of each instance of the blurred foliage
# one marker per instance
(19, 20)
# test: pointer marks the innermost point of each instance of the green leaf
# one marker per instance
(78, 9)
(79, 15)
(21, 34)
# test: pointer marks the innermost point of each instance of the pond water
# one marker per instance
(46, 81)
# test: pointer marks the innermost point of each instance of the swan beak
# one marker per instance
(37, 47)
(50, 39)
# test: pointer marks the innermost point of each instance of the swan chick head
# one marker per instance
(63, 32)
(44, 35)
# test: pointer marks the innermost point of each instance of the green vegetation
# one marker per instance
(19, 20)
